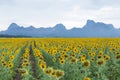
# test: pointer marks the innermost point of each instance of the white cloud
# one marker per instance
(50, 12)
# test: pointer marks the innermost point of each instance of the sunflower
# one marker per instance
(86, 63)
(27, 64)
(66, 56)
(53, 74)
(10, 65)
(100, 53)
(83, 56)
(73, 60)
(89, 53)
(59, 73)
(79, 57)
(3, 53)
(73, 55)
(82, 60)
(118, 57)
(43, 66)
(40, 61)
(40, 56)
(11, 57)
(100, 62)
(99, 56)
(117, 53)
(48, 71)
(4, 63)
(87, 78)
(25, 60)
(106, 57)
(1, 58)
(62, 61)
(23, 71)
(93, 54)
(23, 65)
(92, 59)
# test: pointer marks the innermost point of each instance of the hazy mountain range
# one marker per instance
(90, 29)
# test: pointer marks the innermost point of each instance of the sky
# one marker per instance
(48, 13)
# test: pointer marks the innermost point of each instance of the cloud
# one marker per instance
(50, 12)
(6, 2)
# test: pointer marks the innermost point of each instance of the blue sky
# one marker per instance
(45, 13)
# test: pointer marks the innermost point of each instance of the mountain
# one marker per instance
(90, 29)
(99, 29)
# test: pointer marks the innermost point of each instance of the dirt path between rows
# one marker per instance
(33, 63)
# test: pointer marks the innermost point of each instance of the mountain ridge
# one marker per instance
(90, 29)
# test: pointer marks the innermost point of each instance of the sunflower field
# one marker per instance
(59, 59)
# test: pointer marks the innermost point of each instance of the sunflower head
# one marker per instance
(100, 62)
(86, 63)
(10, 65)
(87, 78)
